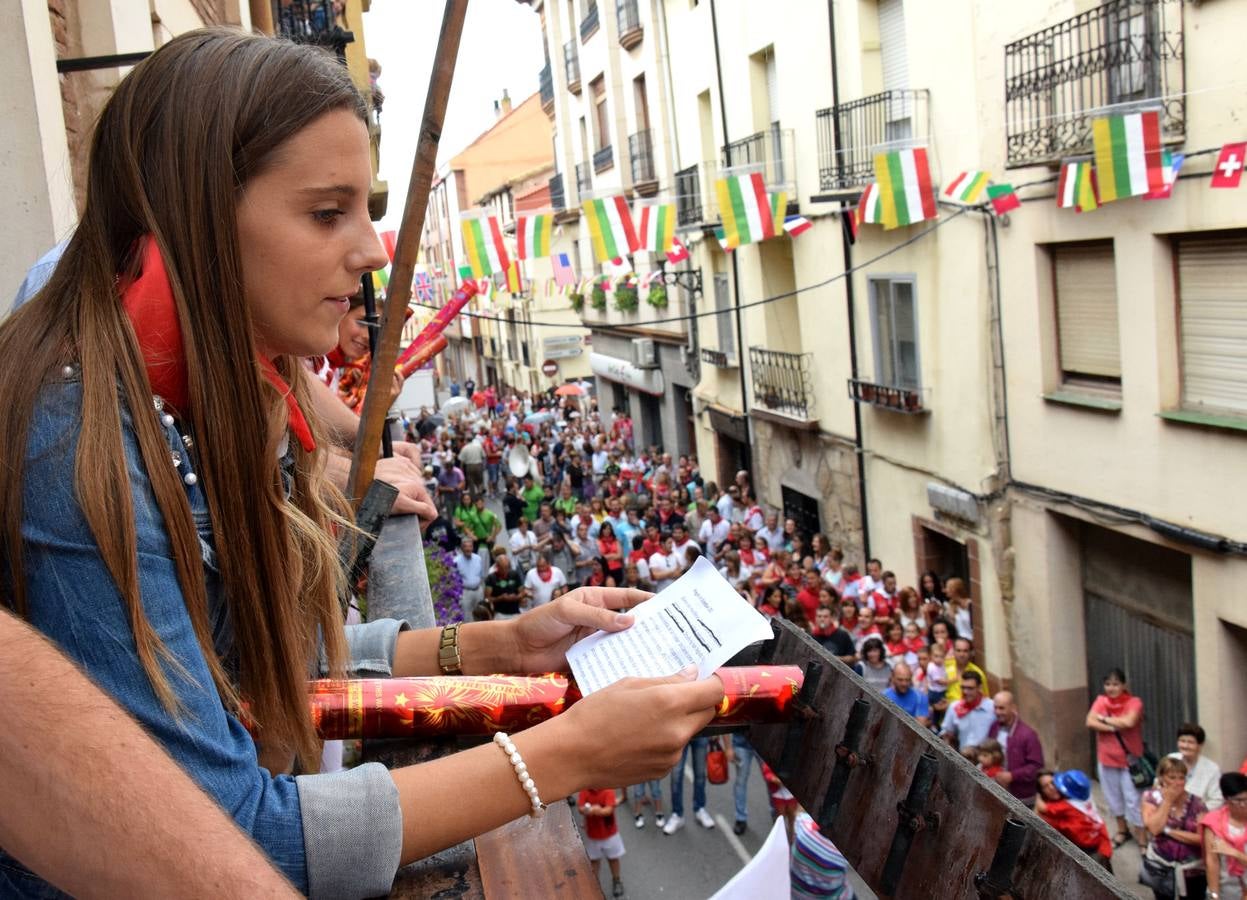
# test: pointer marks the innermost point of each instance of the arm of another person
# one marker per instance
(143, 827)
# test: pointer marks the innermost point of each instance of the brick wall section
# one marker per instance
(63, 16)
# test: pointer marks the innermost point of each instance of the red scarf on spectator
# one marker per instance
(148, 301)
(965, 706)
(1117, 707)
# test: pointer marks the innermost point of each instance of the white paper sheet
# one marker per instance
(766, 876)
(699, 619)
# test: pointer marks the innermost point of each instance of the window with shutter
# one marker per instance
(894, 322)
(894, 57)
(1084, 280)
(1212, 319)
(725, 320)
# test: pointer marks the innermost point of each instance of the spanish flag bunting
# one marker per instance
(515, 282)
(906, 194)
(1128, 155)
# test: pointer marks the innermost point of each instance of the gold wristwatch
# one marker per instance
(448, 658)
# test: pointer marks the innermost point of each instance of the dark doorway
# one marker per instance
(802, 509)
(733, 456)
(1139, 618)
(651, 421)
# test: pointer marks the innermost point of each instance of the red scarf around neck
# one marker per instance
(1117, 707)
(148, 301)
(965, 706)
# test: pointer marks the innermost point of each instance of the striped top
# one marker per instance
(817, 868)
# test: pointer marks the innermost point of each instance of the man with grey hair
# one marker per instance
(902, 693)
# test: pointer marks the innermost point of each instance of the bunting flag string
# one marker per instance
(532, 235)
(611, 230)
(1171, 165)
(968, 186)
(1127, 155)
(515, 281)
(749, 212)
(484, 246)
(656, 227)
(1003, 198)
(1076, 187)
(906, 194)
(1228, 171)
(678, 252)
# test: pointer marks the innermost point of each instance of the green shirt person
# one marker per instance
(533, 495)
(484, 523)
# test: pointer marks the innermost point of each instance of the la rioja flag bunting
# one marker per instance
(749, 212)
(906, 193)
(1076, 187)
(869, 210)
(483, 244)
(610, 228)
(1127, 155)
(967, 187)
(656, 227)
(1228, 171)
(532, 235)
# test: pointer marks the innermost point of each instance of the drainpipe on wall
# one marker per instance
(849, 292)
(740, 333)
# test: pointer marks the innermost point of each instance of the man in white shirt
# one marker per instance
(728, 501)
(771, 534)
(714, 532)
(543, 583)
(523, 547)
(664, 567)
(472, 570)
(680, 542)
(968, 720)
(872, 580)
(600, 459)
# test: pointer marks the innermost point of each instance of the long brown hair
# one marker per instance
(174, 146)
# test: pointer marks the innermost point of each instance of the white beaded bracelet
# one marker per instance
(521, 772)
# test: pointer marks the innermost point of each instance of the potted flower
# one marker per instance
(625, 298)
(577, 299)
(597, 299)
(657, 296)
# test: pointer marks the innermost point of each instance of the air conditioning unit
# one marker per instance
(644, 353)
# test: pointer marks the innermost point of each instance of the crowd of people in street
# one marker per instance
(583, 504)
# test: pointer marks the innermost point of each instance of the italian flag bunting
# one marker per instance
(532, 235)
(482, 242)
(905, 191)
(748, 211)
(610, 228)
(656, 227)
(1128, 155)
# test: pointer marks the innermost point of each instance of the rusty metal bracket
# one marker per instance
(913, 820)
(997, 882)
(802, 712)
(848, 757)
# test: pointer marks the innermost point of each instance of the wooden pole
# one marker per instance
(377, 401)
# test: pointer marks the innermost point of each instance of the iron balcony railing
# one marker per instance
(584, 178)
(1121, 53)
(571, 66)
(716, 358)
(312, 22)
(688, 196)
(589, 23)
(773, 151)
(884, 396)
(603, 158)
(888, 120)
(558, 199)
(546, 82)
(641, 155)
(782, 382)
(628, 17)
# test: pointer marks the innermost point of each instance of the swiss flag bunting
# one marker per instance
(1228, 171)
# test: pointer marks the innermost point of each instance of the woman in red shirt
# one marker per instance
(1116, 717)
(611, 552)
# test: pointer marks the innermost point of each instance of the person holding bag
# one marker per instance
(1116, 717)
(1173, 866)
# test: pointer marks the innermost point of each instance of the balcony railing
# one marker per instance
(312, 22)
(546, 82)
(716, 358)
(628, 17)
(773, 150)
(903, 400)
(584, 179)
(688, 196)
(571, 66)
(782, 382)
(888, 120)
(641, 155)
(603, 158)
(1122, 53)
(558, 199)
(589, 24)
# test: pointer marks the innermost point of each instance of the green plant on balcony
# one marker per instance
(578, 300)
(657, 296)
(626, 298)
(597, 299)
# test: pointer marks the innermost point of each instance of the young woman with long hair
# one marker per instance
(183, 549)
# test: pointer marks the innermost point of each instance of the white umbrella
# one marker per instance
(455, 405)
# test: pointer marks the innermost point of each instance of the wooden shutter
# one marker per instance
(1212, 297)
(1086, 306)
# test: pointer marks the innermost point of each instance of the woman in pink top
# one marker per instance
(1116, 717)
(1225, 841)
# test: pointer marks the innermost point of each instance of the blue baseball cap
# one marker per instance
(1073, 784)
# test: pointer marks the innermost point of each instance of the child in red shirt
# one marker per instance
(991, 758)
(1065, 803)
(601, 833)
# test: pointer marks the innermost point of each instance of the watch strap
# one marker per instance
(448, 659)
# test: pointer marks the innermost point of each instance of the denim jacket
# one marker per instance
(332, 835)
